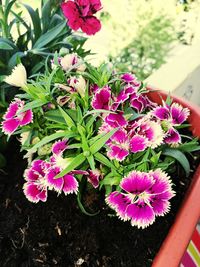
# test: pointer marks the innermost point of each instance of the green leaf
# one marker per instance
(67, 118)
(110, 180)
(101, 142)
(5, 46)
(49, 36)
(91, 162)
(77, 161)
(54, 115)
(180, 157)
(46, 14)
(50, 138)
(32, 105)
(34, 14)
(102, 159)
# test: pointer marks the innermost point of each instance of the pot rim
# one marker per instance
(176, 242)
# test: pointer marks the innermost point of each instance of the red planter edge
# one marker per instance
(180, 233)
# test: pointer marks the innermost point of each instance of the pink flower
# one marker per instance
(172, 137)
(93, 177)
(144, 196)
(102, 98)
(35, 189)
(137, 100)
(174, 114)
(13, 118)
(80, 14)
(116, 120)
(131, 79)
(118, 145)
(145, 133)
(170, 117)
(59, 147)
(67, 184)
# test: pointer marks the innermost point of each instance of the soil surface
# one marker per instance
(57, 233)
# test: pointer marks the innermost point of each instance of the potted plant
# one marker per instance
(177, 240)
(103, 138)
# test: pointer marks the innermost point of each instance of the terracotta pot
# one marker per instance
(176, 242)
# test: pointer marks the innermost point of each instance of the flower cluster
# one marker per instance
(40, 177)
(106, 133)
(80, 15)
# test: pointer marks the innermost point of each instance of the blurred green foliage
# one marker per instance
(148, 50)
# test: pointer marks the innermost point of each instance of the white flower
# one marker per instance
(18, 77)
(79, 84)
(72, 61)
(68, 61)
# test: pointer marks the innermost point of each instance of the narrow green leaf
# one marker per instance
(5, 46)
(66, 117)
(34, 14)
(49, 36)
(180, 157)
(91, 162)
(32, 105)
(50, 138)
(102, 159)
(101, 142)
(54, 115)
(77, 161)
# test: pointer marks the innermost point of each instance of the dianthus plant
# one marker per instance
(85, 125)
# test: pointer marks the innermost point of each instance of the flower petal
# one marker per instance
(10, 125)
(70, 184)
(141, 215)
(137, 182)
(26, 117)
(138, 143)
(59, 147)
(90, 25)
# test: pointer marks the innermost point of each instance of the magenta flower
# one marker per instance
(172, 137)
(140, 102)
(174, 114)
(137, 100)
(145, 133)
(80, 15)
(116, 120)
(59, 147)
(118, 145)
(144, 196)
(93, 177)
(101, 98)
(130, 78)
(170, 117)
(35, 189)
(68, 183)
(138, 143)
(13, 118)
(123, 96)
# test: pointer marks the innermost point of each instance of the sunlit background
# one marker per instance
(140, 35)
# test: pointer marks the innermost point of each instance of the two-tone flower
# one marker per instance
(170, 117)
(14, 118)
(145, 133)
(144, 196)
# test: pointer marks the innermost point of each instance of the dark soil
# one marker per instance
(56, 233)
